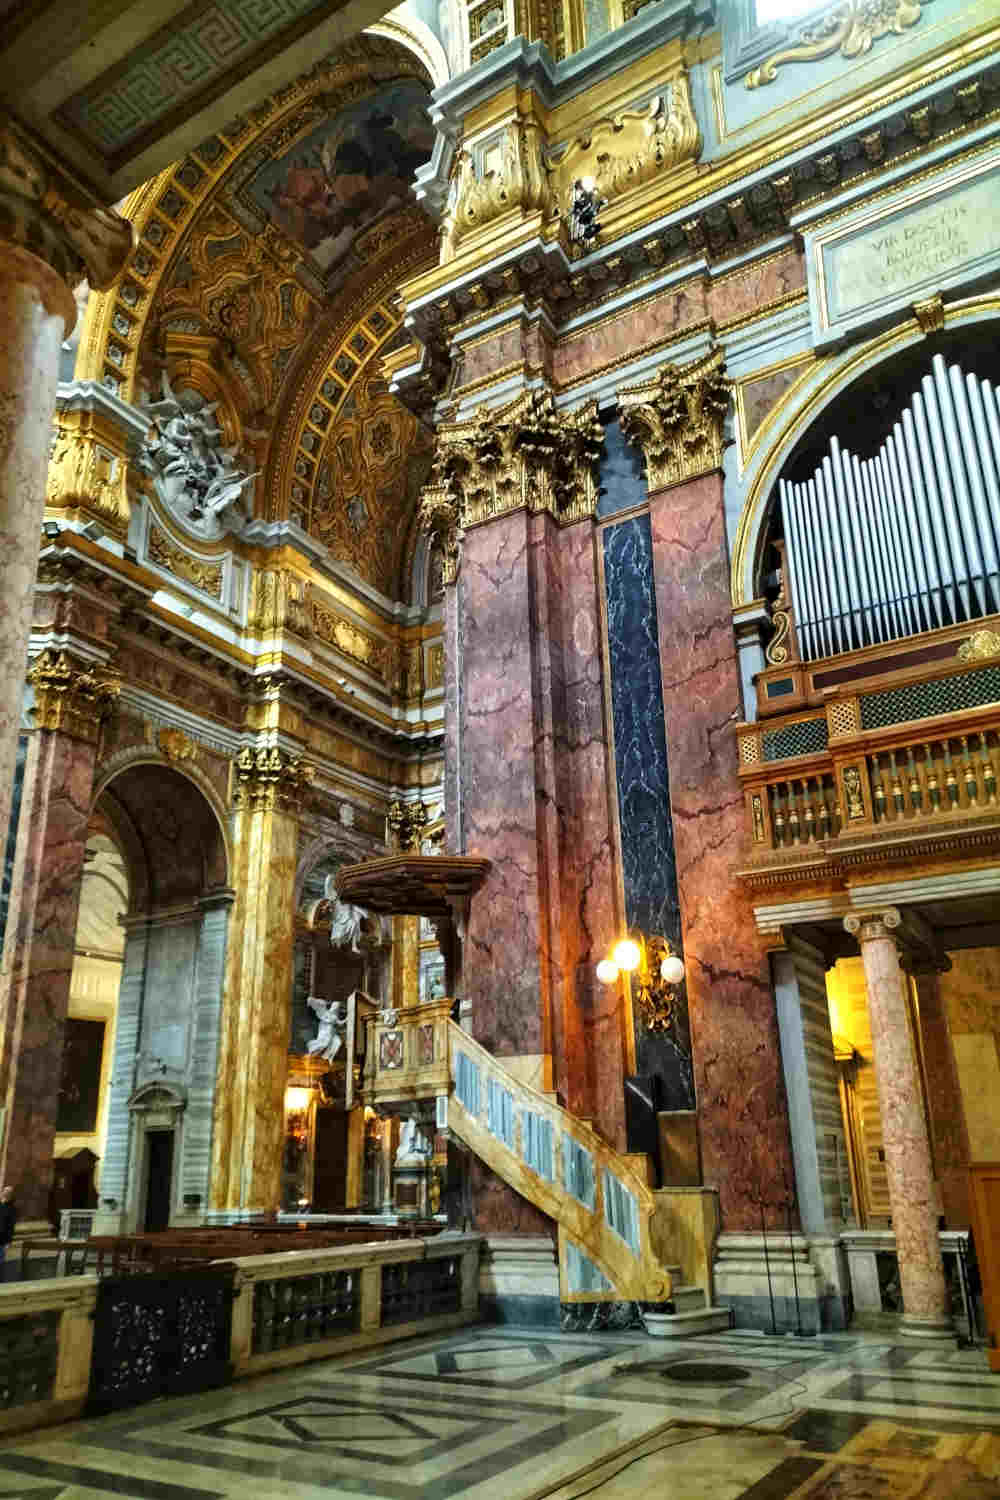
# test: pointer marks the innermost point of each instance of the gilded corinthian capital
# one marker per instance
(677, 420)
(72, 697)
(45, 213)
(266, 779)
(526, 455)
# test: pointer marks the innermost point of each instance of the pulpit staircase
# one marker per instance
(609, 1220)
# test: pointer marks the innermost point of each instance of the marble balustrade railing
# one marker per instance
(291, 1307)
(599, 1198)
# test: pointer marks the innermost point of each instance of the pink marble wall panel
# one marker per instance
(503, 975)
(521, 343)
(742, 1111)
(534, 799)
(498, 1209)
(54, 818)
(757, 285)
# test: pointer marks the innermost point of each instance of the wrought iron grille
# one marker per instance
(302, 1309)
(29, 1353)
(421, 1289)
(160, 1335)
(803, 738)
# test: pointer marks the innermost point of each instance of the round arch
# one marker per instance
(828, 380)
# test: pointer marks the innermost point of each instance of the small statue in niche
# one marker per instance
(329, 1039)
(413, 1145)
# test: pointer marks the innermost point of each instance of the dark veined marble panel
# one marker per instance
(623, 484)
(15, 818)
(647, 843)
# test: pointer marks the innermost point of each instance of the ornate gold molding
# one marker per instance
(624, 151)
(266, 779)
(516, 179)
(72, 697)
(197, 571)
(930, 314)
(524, 455)
(377, 656)
(177, 746)
(982, 645)
(279, 600)
(88, 470)
(677, 420)
(850, 28)
(47, 215)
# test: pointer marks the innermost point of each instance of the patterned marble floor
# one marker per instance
(516, 1414)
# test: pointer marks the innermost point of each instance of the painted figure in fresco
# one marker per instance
(329, 1039)
(351, 170)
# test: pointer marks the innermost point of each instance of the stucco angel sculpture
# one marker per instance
(200, 481)
(345, 920)
(329, 1039)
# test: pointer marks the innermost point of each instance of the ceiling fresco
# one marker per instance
(347, 173)
(265, 280)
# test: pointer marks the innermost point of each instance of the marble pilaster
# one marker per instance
(252, 1063)
(70, 700)
(677, 422)
(908, 1163)
(944, 1098)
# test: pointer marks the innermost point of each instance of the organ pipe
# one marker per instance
(909, 539)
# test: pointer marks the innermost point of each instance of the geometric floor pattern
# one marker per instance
(521, 1414)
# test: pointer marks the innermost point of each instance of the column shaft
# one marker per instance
(904, 1129)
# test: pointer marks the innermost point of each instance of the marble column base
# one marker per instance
(926, 1328)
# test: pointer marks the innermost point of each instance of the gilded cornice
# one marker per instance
(677, 420)
(850, 28)
(72, 697)
(523, 455)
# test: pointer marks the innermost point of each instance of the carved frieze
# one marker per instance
(178, 746)
(677, 420)
(279, 600)
(267, 779)
(375, 655)
(72, 697)
(526, 454)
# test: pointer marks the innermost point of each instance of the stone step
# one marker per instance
(688, 1298)
(681, 1325)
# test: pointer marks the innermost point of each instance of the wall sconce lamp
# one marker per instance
(656, 971)
(297, 1102)
(585, 205)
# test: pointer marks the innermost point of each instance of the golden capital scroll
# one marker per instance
(72, 697)
(677, 420)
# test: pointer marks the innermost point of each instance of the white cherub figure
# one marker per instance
(332, 1025)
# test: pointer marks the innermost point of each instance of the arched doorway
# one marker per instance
(156, 1163)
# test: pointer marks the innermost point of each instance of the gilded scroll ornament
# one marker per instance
(377, 656)
(279, 600)
(266, 779)
(72, 697)
(85, 472)
(438, 514)
(517, 180)
(853, 794)
(982, 645)
(407, 821)
(850, 28)
(778, 650)
(624, 151)
(677, 420)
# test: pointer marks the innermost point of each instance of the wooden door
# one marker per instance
(984, 1182)
(330, 1162)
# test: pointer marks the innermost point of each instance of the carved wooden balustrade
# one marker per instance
(879, 772)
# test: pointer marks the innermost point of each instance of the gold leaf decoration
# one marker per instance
(850, 28)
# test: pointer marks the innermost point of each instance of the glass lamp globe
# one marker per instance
(627, 955)
(672, 969)
(607, 971)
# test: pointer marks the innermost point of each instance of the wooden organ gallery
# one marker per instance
(505, 530)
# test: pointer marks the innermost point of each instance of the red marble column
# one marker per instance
(908, 1168)
(534, 799)
(54, 815)
(944, 1097)
(742, 1110)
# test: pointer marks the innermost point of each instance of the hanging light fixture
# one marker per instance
(655, 970)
